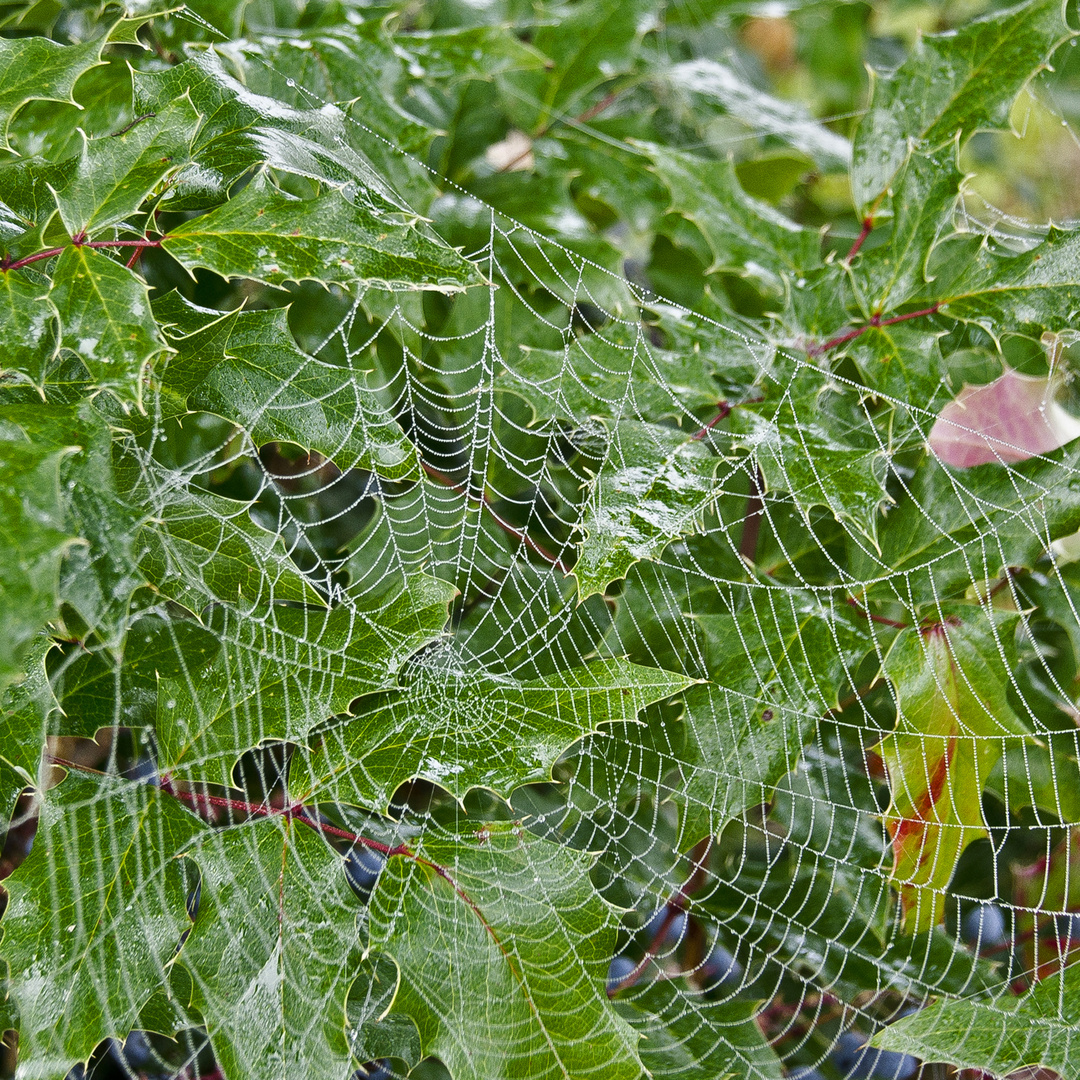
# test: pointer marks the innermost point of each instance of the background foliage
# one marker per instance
(539, 539)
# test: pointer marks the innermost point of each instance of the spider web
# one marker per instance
(587, 503)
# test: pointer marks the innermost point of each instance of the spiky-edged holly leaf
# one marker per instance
(818, 444)
(28, 324)
(105, 319)
(34, 538)
(1004, 1035)
(495, 912)
(200, 548)
(683, 1033)
(301, 664)
(745, 236)
(952, 83)
(37, 69)
(778, 660)
(246, 367)
(113, 176)
(65, 942)
(655, 485)
(464, 729)
(276, 919)
(270, 236)
(953, 722)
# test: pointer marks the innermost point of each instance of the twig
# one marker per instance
(874, 321)
(699, 855)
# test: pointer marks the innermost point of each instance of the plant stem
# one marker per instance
(7, 263)
(699, 856)
(874, 321)
(867, 225)
(860, 610)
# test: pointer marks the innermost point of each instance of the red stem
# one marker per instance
(860, 610)
(723, 413)
(875, 320)
(699, 854)
(867, 225)
(7, 263)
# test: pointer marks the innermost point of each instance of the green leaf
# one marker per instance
(273, 950)
(270, 236)
(27, 324)
(924, 195)
(36, 69)
(613, 374)
(115, 175)
(243, 129)
(588, 44)
(99, 895)
(819, 445)
(1001, 1036)
(105, 319)
(281, 674)
(494, 914)
(246, 367)
(978, 281)
(34, 538)
(705, 83)
(655, 486)
(953, 723)
(463, 729)
(745, 236)
(777, 662)
(952, 83)
(199, 548)
(685, 1035)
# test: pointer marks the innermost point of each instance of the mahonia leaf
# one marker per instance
(924, 194)
(953, 722)
(686, 1035)
(706, 81)
(976, 280)
(497, 915)
(463, 729)
(113, 176)
(655, 486)
(776, 662)
(200, 547)
(34, 538)
(247, 368)
(956, 82)
(36, 69)
(746, 236)
(1003, 1036)
(273, 237)
(280, 674)
(819, 445)
(242, 130)
(100, 894)
(610, 375)
(27, 324)
(273, 950)
(105, 319)
(937, 535)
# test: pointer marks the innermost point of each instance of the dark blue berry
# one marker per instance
(619, 968)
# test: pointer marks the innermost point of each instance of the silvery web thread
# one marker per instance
(463, 558)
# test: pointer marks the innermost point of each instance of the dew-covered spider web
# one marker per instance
(543, 677)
